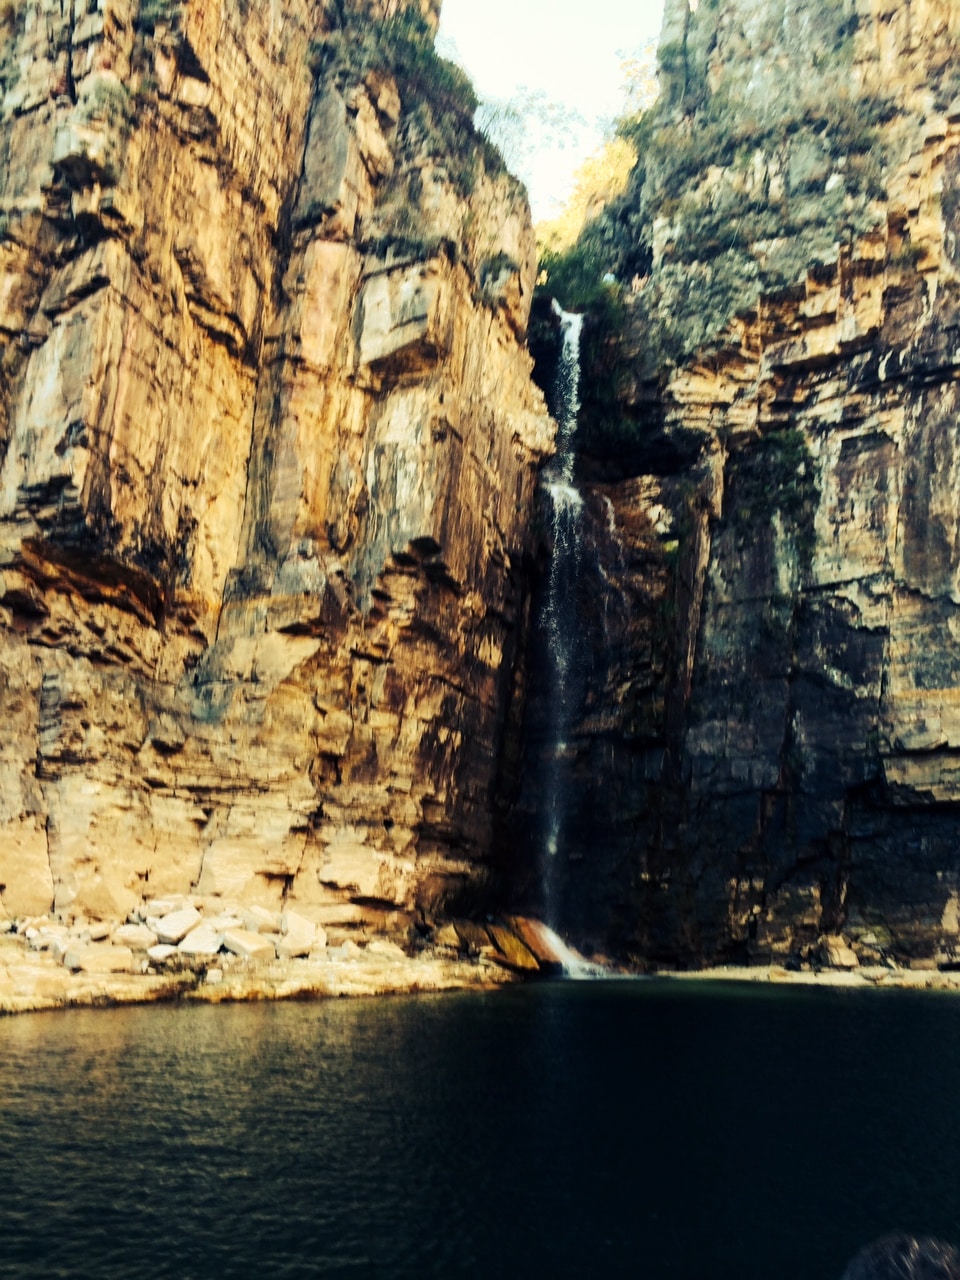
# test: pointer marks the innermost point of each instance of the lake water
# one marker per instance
(647, 1129)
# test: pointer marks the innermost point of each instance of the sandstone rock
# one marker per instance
(257, 919)
(473, 937)
(99, 958)
(405, 316)
(836, 953)
(157, 908)
(384, 947)
(135, 936)
(173, 928)
(511, 950)
(49, 937)
(447, 936)
(802, 691)
(547, 949)
(25, 872)
(201, 941)
(298, 937)
(250, 946)
(104, 897)
(228, 920)
(267, 463)
(162, 953)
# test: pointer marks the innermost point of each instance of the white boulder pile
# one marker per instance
(184, 932)
(174, 933)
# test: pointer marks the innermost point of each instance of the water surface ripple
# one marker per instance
(652, 1130)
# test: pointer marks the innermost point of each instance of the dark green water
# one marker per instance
(652, 1130)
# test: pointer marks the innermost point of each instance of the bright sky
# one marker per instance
(570, 50)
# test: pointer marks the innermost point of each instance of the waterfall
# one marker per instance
(564, 505)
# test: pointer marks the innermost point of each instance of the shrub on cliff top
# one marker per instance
(407, 41)
(438, 99)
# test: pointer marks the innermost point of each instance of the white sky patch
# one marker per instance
(568, 50)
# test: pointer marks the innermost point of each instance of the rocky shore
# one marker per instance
(877, 976)
(194, 948)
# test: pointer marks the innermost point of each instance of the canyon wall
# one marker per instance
(268, 446)
(768, 745)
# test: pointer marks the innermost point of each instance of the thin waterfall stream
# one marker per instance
(564, 506)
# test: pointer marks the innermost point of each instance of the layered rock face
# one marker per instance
(782, 128)
(268, 445)
(776, 756)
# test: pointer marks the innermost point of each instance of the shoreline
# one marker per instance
(35, 983)
(31, 983)
(865, 978)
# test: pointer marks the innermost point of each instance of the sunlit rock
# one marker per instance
(201, 941)
(299, 936)
(99, 958)
(173, 928)
(247, 945)
(268, 449)
(135, 936)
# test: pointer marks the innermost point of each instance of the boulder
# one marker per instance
(98, 957)
(473, 937)
(161, 953)
(512, 951)
(201, 941)
(548, 950)
(224, 921)
(135, 936)
(157, 908)
(173, 928)
(248, 945)
(298, 935)
(105, 897)
(257, 919)
(447, 936)
(49, 937)
(835, 952)
(384, 947)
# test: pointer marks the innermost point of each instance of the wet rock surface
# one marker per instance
(765, 752)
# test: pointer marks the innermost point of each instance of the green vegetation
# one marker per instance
(407, 42)
(759, 156)
(777, 477)
(438, 97)
(107, 99)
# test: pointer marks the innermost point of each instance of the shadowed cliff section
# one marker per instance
(767, 749)
(268, 445)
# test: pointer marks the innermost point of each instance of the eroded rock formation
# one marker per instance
(268, 444)
(768, 753)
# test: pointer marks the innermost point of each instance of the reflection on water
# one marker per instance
(650, 1130)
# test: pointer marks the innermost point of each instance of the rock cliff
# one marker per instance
(268, 445)
(768, 747)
